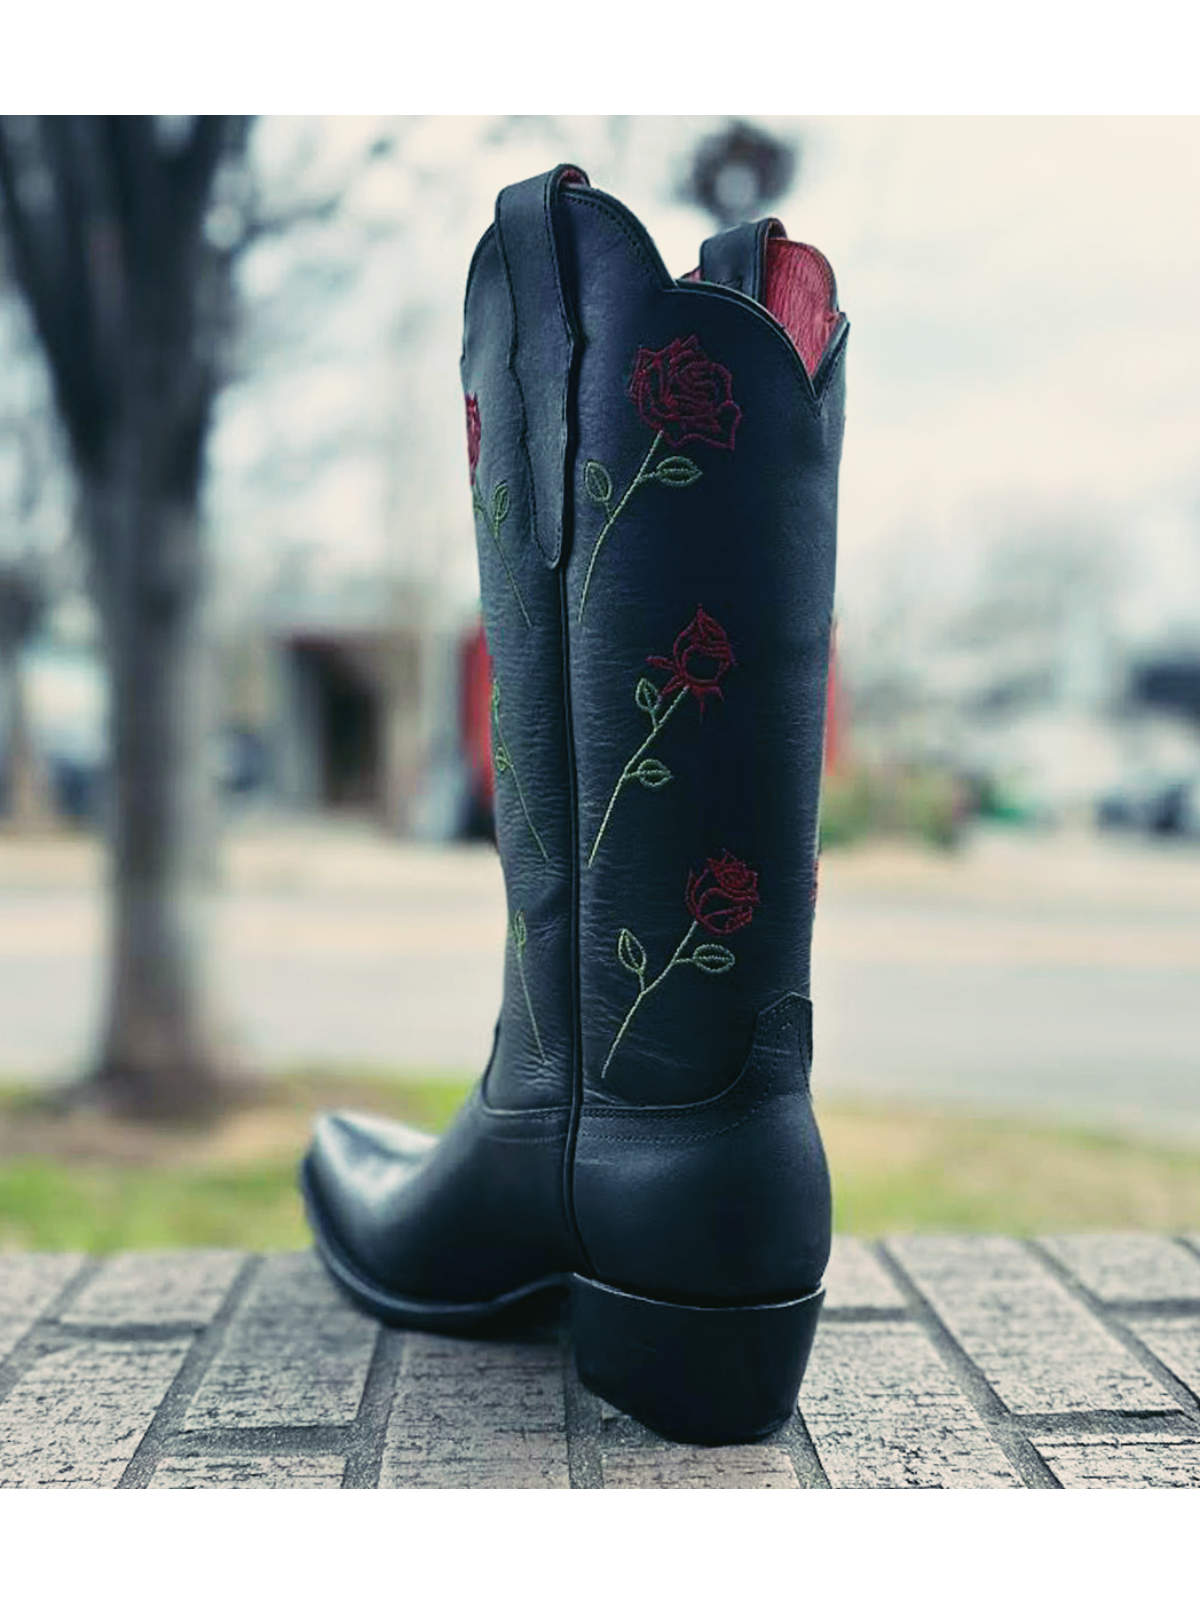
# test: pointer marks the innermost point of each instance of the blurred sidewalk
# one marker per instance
(1055, 974)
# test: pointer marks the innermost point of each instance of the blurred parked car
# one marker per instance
(68, 710)
(1153, 803)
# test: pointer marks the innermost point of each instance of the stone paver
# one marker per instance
(1040, 1349)
(1176, 1343)
(471, 1414)
(1113, 1461)
(295, 1354)
(28, 1284)
(739, 1466)
(1128, 1266)
(855, 1279)
(884, 1412)
(77, 1416)
(952, 1362)
(156, 1287)
(251, 1472)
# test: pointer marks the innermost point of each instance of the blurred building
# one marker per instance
(376, 703)
(1030, 691)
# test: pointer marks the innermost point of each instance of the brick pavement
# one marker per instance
(941, 1362)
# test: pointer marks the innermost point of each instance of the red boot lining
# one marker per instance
(801, 296)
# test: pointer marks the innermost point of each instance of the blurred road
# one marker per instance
(1058, 976)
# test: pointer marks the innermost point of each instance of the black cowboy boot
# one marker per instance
(654, 467)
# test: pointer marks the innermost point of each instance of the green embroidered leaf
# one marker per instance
(646, 696)
(518, 931)
(630, 953)
(495, 697)
(503, 764)
(652, 774)
(597, 483)
(712, 958)
(677, 472)
(499, 504)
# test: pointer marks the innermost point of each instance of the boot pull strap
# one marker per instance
(737, 258)
(544, 345)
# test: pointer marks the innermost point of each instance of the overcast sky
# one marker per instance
(1024, 296)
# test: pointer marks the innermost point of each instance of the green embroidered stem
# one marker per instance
(628, 774)
(492, 524)
(517, 928)
(646, 989)
(613, 515)
(504, 763)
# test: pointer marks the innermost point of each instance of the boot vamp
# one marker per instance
(458, 1220)
(359, 1167)
(366, 1159)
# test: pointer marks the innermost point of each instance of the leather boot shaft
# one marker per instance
(514, 384)
(699, 603)
(654, 479)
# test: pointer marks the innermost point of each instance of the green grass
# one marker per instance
(48, 1205)
(86, 1186)
(898, 1170)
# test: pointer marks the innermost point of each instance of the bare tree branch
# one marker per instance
(193, 169)
(268, 226)
(260, 223)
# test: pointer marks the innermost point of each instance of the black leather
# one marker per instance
(738, 257)
(723, 1202)
(467, 1217)
(543, 345)
(660, 1142)
(521, 445)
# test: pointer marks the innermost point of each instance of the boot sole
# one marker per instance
(698, 1374)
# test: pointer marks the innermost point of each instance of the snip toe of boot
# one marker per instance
(353, 1149)
(355, 1166)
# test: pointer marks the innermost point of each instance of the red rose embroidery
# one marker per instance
(681, 393)
(474, 434)
(722, 898)
(701, 657)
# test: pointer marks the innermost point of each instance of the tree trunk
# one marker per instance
(105, 218)
(162, 1052)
